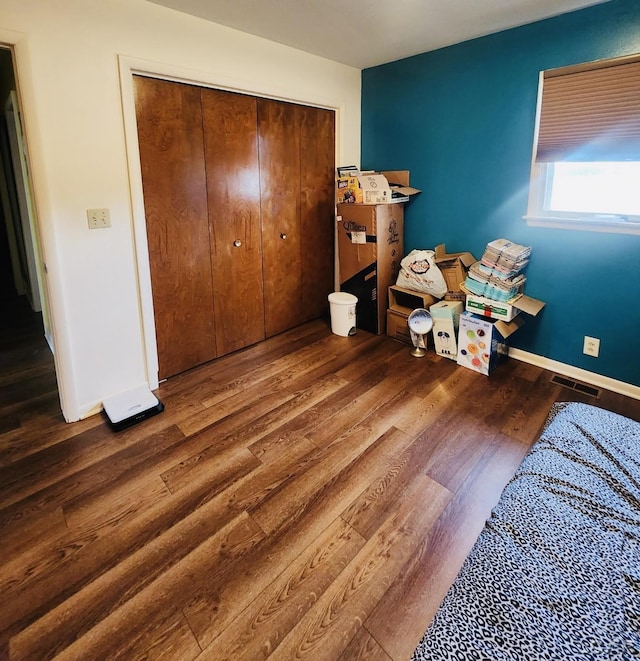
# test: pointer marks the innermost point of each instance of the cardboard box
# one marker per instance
(399, 184)
(482, 343)
(344, 190)
(506, 311)
(370, 189)
(454, 267)
(374, 188)
(397, 328)
(446, 319)
(406, 300)
(370, 247)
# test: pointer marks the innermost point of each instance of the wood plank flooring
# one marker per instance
(311, 497)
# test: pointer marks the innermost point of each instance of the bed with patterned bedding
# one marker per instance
(555, 573)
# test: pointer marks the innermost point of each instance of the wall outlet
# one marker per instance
(591, 346)
(98, 218)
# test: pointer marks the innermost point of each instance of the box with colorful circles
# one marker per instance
(482, 342)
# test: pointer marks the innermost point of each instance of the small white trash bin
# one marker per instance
(342, 307)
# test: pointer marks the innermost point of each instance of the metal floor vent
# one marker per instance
(585, 388)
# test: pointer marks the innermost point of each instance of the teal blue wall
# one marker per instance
(461, 119)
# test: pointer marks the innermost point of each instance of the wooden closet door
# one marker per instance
(233, 185)
(317, 209)
(279, 149)
(169, 121)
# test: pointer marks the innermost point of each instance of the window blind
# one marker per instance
(591, 112)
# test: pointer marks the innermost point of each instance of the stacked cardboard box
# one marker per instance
(370, 247)
(402, 302)
(370, 239)
(356, 187)
(494, 299)
(482, 342)
(445, 313)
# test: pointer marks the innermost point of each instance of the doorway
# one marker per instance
(26, 343)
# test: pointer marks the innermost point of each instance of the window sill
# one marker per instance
(587, 225)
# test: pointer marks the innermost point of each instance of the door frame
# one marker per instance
(18, 153)
(47, 278)
(130, 66)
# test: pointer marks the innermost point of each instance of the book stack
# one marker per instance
(498, 275)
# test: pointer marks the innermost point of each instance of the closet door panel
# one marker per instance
(279, 149)
(317, 209)
(169, 119)
(233, 185)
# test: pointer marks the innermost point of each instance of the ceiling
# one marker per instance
(365, 33)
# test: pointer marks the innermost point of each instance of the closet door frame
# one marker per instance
(128, 67)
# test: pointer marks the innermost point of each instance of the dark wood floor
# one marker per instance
(312, 497)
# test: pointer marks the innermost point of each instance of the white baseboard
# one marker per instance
(576, 373)
(89, 410)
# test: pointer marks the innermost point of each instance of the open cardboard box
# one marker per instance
(399, 183)
(398, 326)
(375, 188)
(406, 300)
(504, 311)
(485, 327)
(454, 267)
(482, 343)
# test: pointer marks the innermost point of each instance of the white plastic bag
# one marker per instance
(418, 271)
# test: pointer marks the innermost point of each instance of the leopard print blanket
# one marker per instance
(555, 573)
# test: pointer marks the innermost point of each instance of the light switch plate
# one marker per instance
(98, 218)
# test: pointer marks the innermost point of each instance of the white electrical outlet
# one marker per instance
(98, 218)
(591, 346)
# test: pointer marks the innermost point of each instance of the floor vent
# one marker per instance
(584, 388)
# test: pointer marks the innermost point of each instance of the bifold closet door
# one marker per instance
(169, 117)
(279, 150)
(317, 209)
(233, 185)
(297, 161)
(239, 203)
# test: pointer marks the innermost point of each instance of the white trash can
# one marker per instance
(343, 313)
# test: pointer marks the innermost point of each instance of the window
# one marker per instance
(586, 162)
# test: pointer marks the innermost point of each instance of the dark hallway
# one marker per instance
(27, 376)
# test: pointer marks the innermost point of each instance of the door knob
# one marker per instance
(283, 236)
(237, 243)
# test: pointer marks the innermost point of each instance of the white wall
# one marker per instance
(74, 61)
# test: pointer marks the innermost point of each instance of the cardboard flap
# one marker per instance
(405, 190)
(397, 177)
(399, 182)
(520, 302)
(441, 255)
(507, 328)
(529, 305)
(467, 259)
